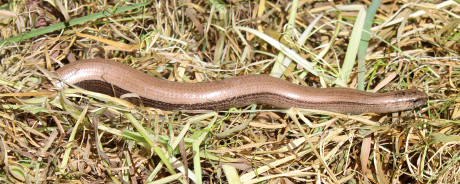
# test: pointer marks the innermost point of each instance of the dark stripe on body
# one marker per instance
(265, 98)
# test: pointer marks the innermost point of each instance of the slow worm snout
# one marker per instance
(116, 79)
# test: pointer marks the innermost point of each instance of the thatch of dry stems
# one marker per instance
(72, 135)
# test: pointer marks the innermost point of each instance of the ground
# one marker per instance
(50, 134)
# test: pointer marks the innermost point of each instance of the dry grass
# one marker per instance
(48, 136)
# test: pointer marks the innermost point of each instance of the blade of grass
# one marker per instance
(168, 179)
(231, 174)
(281, 47)
(149, 137)
(65, 159)
(355, 38)
(72, 22)
(279, 67)
(186, 127)
(364, 43)
(196, 149)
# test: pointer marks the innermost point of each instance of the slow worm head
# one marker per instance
(116, 79)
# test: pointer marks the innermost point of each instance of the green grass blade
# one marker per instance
(355, 38)
(364, 43)
(72, 22)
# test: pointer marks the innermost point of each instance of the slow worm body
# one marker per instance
(116, 79)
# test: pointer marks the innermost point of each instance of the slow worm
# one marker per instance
(116, 79)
